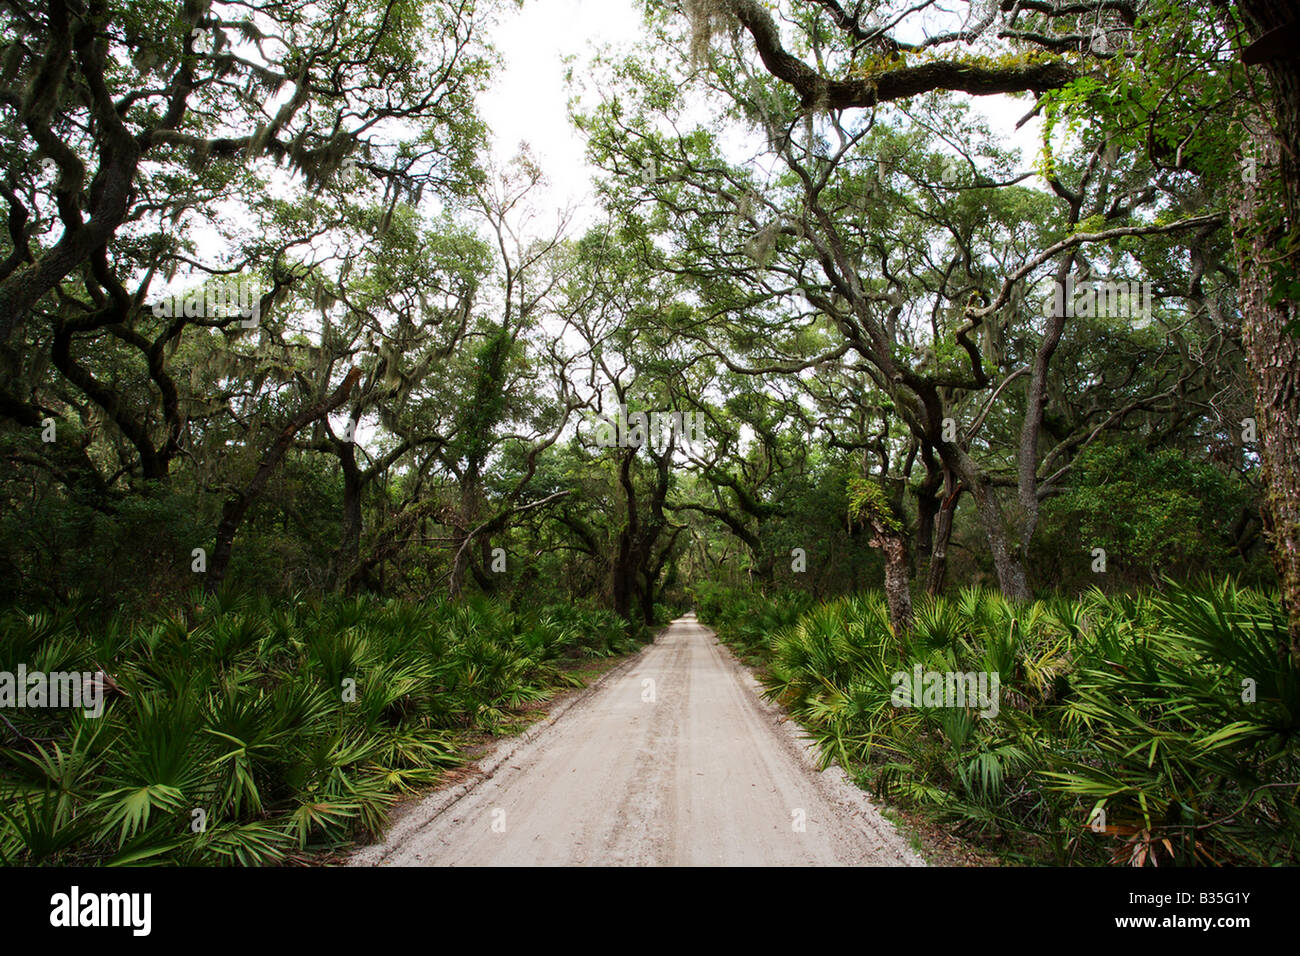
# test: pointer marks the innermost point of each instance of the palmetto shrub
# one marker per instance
(1144, 729)
(1184, 730)
(745, 620)
(249, 731)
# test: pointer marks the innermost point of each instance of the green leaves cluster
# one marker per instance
(1170, 713)
(868, 505)
(290, 728)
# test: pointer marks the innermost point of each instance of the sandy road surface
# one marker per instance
(671, 758)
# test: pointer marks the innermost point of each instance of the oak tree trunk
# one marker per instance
(1263, 212)
(898, 595)
(1273, 354)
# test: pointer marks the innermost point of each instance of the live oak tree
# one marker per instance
(843, 241)
(127, 125)
(812, 243)
(756, 438)
(412, 293)
(630, 370)
(514, 399)
(864, 58)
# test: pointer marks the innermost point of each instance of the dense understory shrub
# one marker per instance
(247, 730)
(1148, 728)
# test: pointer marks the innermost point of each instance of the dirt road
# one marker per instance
(672, 759)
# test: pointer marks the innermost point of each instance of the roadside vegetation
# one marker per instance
(246, 730)
(1156, 727)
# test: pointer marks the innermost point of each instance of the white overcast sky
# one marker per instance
(528, 99)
